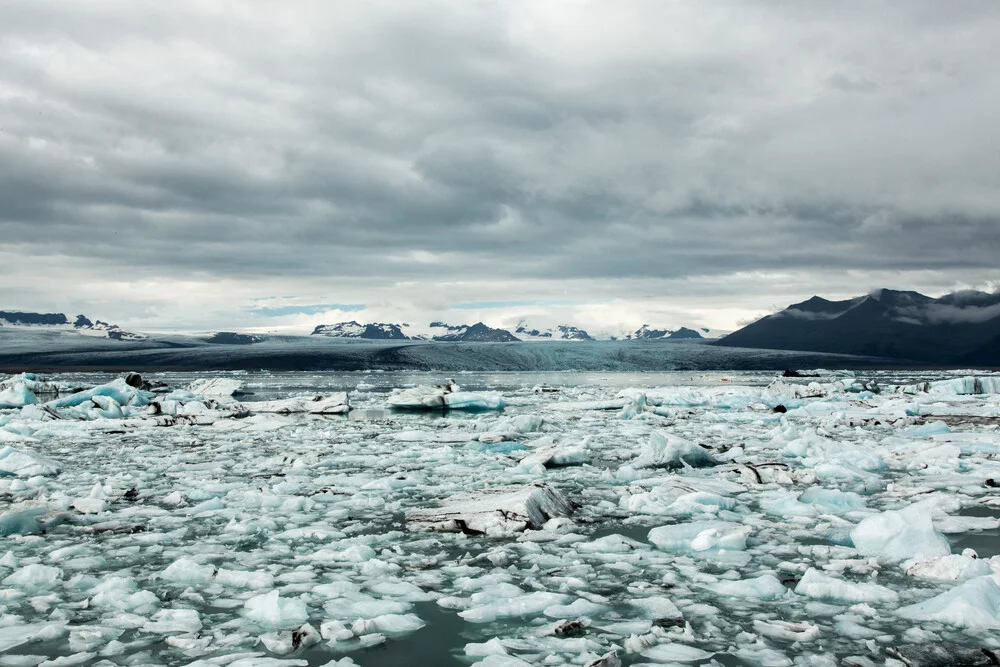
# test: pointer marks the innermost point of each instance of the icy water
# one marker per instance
(715, 518)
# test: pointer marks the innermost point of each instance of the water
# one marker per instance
(299, 493)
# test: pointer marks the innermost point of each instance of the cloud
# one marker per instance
(454, 152)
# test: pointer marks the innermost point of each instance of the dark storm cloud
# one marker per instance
(449, 140)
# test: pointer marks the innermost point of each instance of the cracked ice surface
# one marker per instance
(632, 518)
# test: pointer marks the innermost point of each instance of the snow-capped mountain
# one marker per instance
(478, 332)
(352, 329)
(645, 332)
(82, 324)
(559, 332)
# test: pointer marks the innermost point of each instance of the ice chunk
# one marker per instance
(173, 620)
(23, 463)
(556, 455)
(495, 512)
(392, 624)
(119, 390)
(34, 577)
(974, 604)
(669, 451)
(764, 587)
(786, 631)
(446, 396)
(953, 567)
(283, 643)
(821, 587)
(501, 661)
(833, 501)
(26, 519)
(187, 572)
(95, 502)
(674, 652)
(215, 387)
(900, 534)
(334, 404)
(523, 606)
(272, 611)
(701, 536)
(16, 395)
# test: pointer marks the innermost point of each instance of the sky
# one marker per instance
(193, 165)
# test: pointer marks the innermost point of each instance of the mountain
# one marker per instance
(232, 338)
(646, 333)
(375, 331)
(958, 328)
(560, 332)
(477, 333)
(82, 324)
(684, 334)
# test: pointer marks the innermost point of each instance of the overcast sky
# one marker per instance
(255, 164)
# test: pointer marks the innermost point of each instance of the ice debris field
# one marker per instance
(379, 519)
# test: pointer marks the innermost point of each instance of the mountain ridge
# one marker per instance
(960, 327)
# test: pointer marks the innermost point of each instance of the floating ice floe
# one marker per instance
(446, 396)
(496, 512)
